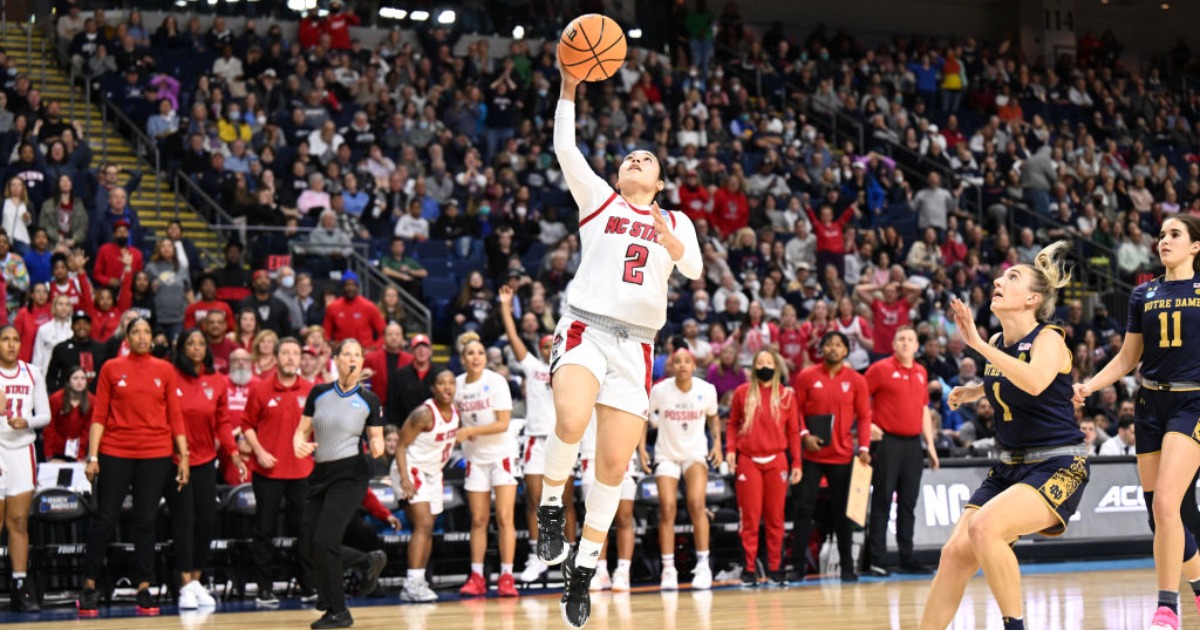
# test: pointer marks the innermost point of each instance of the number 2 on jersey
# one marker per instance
(1003, 405)
(1165, 339)
(635, 258)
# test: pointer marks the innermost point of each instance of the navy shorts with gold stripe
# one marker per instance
(1059, 481)
(1160, 413)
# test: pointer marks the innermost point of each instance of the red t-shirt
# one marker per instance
(792, 344)
(846, 396)
(137, 406)
(273, 412)
(108, 263)
(27, 323)
(196, 312)
(771, 433)
(888, 319)
(221, 352)
(832, 237)
(898, 396)
(205, 408)
(730, 213)
(338, 26)
(693, 202)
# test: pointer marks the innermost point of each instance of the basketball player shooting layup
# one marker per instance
(602, 345)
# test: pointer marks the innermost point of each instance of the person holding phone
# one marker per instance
(833, 395)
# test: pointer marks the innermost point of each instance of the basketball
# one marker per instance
(592, 47)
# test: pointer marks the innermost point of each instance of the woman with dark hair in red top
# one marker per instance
(762, 432)
(136, 428)
(204, 404)
(30, 317)
(66, 437)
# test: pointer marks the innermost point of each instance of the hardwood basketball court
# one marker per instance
(1108, 595)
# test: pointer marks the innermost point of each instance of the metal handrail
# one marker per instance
(369, 275)
(142, 142)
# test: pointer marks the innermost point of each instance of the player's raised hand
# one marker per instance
(663, 234)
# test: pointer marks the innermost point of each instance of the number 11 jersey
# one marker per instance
(1167, 315)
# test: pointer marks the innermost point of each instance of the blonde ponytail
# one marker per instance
(1051, 275)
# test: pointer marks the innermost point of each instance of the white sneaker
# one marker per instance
(417, 591)
(600, 581)
(534, 569)
(202, 595)
(620, 581)
(670, 579)
(187, 597)
(702, 577)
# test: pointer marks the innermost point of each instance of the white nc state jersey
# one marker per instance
(539, 399)
(25, 392)
(431, 449)
(623, 271)
(681, 418)
(477, 405)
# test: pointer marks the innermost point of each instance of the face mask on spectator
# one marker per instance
(522, 211)
(235, 116)
(764, 374)
(701, 306)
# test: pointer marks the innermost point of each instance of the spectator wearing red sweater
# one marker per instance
(194, 315)
(106, 311)
(136, 428)
(115, 259)
(694, 199)
(337, 25)
(831, 237)
(730, 208)
(240, 380)
(65, 439)
(204, 404)
(272, 414)
(830, 388)
(309, 31)
(31, 316)
(353, 316)
(889, 310)
(379, 365)
(762, 433)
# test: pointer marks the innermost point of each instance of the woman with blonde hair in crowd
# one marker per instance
(262, 352)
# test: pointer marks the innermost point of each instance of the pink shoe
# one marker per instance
(1198, 603)
(1165, 619)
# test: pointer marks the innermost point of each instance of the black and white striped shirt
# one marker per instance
(339, 419)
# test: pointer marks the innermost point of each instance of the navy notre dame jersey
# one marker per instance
(1022, 419)
(1167, 315)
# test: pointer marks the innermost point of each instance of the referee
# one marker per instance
(336, 414)
(899, 389)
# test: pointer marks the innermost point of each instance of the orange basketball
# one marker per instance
(592, 47)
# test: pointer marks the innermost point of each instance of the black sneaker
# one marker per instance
(877, 571)
(576, 602)
(552, 541)
(333, 620)
(912, 568)
(23, 600)
(749, 579)
(848, 575)
(370, 582)
(88, 603)
(145, 603)
(777, 578)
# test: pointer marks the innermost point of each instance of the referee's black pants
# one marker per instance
(268, 493)
(897, 466)
(335, 491)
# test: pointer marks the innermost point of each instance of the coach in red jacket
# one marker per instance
(353, 316)
(830, 388)
(272, 414)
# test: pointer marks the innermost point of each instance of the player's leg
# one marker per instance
(1018, 511)
(575, 389)
(617, 435)
(668, 505)
(421, 517)
(696, 487)
(1177, 467)
(534, 460)
(479, 499)
(505, 505)
(625, 544)
(957, 566)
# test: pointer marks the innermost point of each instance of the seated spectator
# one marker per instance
(314, 200)
(232, 278)
(65, 439)
(412, 226)
(403, 269)
(329, 239)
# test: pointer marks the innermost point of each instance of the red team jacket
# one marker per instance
(771, 434)
(73, 426)
(846, 396)
(354, 319)
(137, 405)
(273, 411)
(205, 407)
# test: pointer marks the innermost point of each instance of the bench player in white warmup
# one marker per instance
(603, 343)
(680, 408)
(485, 405)
(426, 439)
(539, 422)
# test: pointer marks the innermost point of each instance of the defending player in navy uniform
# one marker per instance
(1043, 470)
(1164, 319)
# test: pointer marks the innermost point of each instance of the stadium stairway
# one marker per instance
(154, 201)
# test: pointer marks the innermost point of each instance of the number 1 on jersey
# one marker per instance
(1165, 339)
(1003, 405)
(635, 258)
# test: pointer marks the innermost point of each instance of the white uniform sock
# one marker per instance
(589, 554)
(416, 575)
(505, 569)
(623, 565)
(560, 459)
(477, 567)
(702, 558)
(668, 561)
